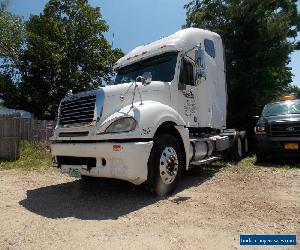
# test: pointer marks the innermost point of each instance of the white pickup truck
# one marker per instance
(165, 112)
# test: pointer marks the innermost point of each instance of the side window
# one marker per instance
(210, 47)
(186, 73)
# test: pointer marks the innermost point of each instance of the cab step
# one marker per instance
(205, 161)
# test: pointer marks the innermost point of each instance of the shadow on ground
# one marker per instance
(284, 162)
(103, 199)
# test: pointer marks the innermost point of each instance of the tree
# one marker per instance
(65, 49)
(12, 34)
(293, 90)
(258, 37)
(8, 91)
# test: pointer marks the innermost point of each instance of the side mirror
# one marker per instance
(200, 68)
(146, 78)
(200, 58)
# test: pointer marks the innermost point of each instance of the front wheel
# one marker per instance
(164, 165)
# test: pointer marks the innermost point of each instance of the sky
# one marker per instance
(137, 22)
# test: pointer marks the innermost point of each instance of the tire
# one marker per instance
(165, 165)
(236, 152)
(245, 146)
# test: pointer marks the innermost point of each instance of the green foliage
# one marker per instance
(8, 91)
(33, 157)
(65, 49)
(293, 90)
(12, 34)
(258, 36)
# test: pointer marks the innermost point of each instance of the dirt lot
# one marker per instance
(47, 210)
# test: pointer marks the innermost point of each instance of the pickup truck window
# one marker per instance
(282, 108)
(162, 68)
(186, 73)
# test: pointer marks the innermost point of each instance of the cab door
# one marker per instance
(187, 93)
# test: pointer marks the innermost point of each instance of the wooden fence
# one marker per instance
(14, 128)
(35, 130)
(9, 137)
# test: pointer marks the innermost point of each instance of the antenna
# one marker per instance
(113, 38)
(111, 56)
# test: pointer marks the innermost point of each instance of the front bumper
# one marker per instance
(125, 160)
(276, 145)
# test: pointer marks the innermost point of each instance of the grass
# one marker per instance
(249, 163)
(246, 165)
(34, 156)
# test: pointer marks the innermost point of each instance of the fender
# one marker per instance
(149, 116)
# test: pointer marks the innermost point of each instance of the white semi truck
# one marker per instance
(165, 112)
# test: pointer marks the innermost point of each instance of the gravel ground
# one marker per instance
(47, 210)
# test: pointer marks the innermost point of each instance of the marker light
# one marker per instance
(288, 98)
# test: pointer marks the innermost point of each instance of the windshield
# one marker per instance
(162, 68)
(282, 108)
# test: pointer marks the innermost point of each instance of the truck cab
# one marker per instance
(165, 110)
(277, 131)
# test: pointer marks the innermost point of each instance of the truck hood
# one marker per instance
(279, 119)
(118, 96)
(109, 100)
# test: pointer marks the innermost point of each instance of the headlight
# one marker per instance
(260, 130)
(121, 125)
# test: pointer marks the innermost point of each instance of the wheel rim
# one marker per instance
(246, 145)
(168, 166)
(239, 146)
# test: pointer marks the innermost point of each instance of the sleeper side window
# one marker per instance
(210, 47)
(187, 73)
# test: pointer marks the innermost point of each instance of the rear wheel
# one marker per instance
(235, 153)
(165, 165)
(239, 148)
(245, 145)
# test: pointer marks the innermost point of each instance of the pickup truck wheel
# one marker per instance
(164, 165)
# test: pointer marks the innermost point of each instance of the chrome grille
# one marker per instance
(284, 129)
(79, 110)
